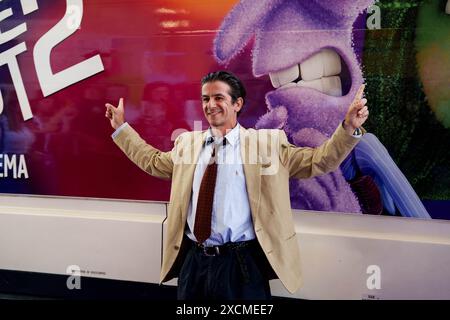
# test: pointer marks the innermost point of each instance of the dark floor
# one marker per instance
(20, 285)
(8, 296)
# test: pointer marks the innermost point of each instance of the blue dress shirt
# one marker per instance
(231, 216)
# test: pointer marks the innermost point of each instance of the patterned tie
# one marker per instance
(202, 225)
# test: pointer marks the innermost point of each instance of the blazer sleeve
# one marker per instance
(151, 160)
(305, 162)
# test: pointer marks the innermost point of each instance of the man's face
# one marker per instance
(218, 108)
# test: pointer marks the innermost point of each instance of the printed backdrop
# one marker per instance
(62, 60)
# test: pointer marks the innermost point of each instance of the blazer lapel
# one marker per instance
(252, 169)
(191, 152)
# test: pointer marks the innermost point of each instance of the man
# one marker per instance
(229, 225)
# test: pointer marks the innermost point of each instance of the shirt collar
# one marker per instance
(232, 136)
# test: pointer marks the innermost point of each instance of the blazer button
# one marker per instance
(176, 247)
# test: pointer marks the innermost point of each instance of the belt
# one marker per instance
(222, 249)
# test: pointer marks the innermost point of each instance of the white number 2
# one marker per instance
(52, 82)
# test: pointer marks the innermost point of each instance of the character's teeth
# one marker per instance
(280, 78)
(447, 7)
(325, 63)
(328, 85)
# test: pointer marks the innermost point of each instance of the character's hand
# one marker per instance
(357, 112)
(115, 114)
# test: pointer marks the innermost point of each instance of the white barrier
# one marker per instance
(344, 256)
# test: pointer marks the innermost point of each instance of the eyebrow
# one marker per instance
(214, 95)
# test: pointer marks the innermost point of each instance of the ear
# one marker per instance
(239, 26)
(238, 104)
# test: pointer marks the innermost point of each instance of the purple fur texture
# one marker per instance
(287, 32)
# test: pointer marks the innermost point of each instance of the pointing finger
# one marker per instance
(360, 92)
(120, 106)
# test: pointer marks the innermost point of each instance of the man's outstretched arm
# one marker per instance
(309, 162)
(146, 157)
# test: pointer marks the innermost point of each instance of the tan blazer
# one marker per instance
(268, 160)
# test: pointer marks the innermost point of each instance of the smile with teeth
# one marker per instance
(213, 112)
(320, 72)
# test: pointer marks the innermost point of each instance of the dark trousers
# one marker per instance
(231, 272)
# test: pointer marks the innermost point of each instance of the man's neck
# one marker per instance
(222, 131)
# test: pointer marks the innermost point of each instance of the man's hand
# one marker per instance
(115, 115)
(357, 112)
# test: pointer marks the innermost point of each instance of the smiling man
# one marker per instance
(229, 224)
(222, 102)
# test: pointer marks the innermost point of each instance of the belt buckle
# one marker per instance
(205, 251)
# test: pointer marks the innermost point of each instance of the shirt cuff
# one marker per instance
(115, 133)
(358, 133)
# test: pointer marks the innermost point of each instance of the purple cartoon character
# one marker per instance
(306, 49)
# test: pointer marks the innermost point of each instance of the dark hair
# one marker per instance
(237, 89)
